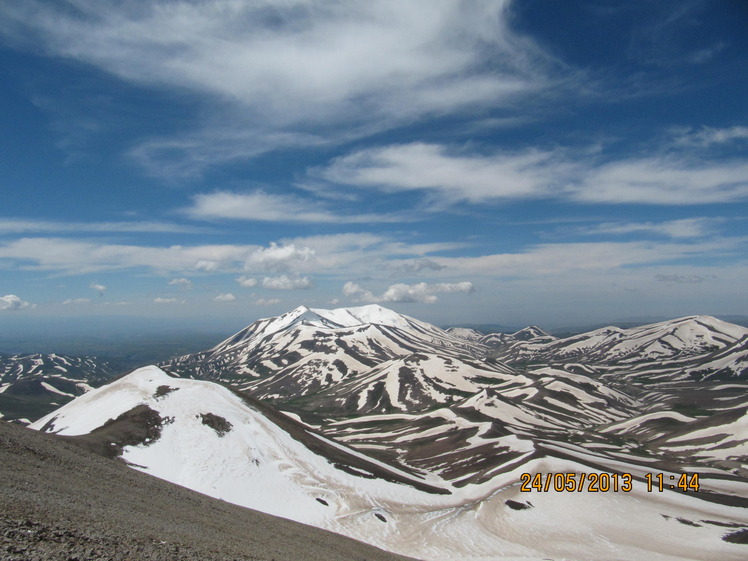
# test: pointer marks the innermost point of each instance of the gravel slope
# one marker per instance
(61, 502)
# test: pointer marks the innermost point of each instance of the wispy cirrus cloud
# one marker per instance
(683, 228)
(711, 136)
(72, 256)
(261, 206)
(542, 260)
(21, 226)
(455, 175)
(282, 69)
(447, 175)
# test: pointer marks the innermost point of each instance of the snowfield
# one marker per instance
(213, 441)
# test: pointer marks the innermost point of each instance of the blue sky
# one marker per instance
(505, 162)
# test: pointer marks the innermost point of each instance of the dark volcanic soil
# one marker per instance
(63, 503)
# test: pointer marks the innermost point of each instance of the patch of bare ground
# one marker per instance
(60, 501)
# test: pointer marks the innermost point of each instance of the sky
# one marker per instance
(508, 162)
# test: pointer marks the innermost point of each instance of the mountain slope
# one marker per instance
(206, 437)
(307, 350)
(60, 501)
(32, 385)
(671, 340)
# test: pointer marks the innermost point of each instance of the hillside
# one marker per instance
(59, 501)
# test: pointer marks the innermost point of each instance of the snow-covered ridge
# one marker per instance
(335, 319)
(681, 338)
(211, 440)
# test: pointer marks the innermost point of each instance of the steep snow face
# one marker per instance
(211, 440)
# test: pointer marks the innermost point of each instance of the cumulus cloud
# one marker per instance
(227, 297)
(358, 294)
(183, 282)
(164, 300)
(100, 288)
(420, 292)
(284, 282)
(281, 257)
(246, 282)
(12, 302)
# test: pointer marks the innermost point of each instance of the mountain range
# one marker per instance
(444, 444)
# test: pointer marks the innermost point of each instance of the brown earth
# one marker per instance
(61, 502)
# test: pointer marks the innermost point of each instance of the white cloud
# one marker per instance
(281, 69)
(663, 181)
(75, 301)
(284, 282)
(420, 265)
(420, 292)
(100, 288)
(581, 258)
(227, 297)
(164, 300)
(246, 282)
(281, 257)
(359, 294)
(267, 301)
(266, 207)
(77, 257)
(707, 136)
(683, 228)
(456, 176)
(16, 226)
(183, 282)
(449, 176)
(12, 302)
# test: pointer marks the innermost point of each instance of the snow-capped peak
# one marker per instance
(531, 332)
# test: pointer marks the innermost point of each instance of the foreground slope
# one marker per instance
(206, 437)
(59, 501)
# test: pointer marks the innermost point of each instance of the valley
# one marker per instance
(439, 444)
